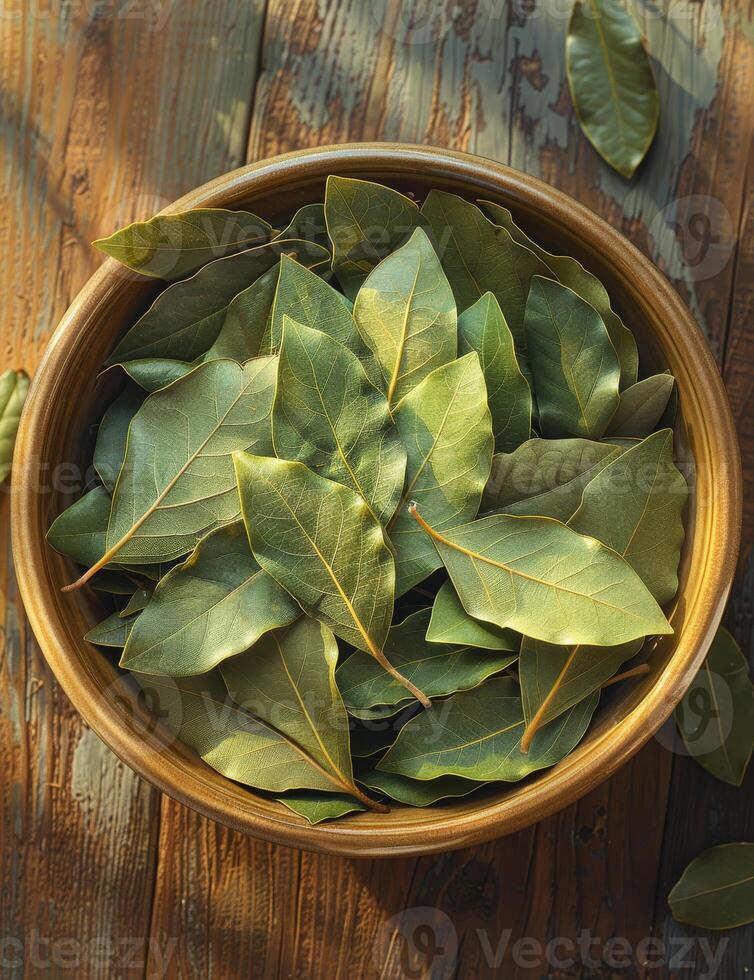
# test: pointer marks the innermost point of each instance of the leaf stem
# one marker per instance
(536, 723)
(634, 672)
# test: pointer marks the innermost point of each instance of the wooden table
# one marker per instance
(112, 108)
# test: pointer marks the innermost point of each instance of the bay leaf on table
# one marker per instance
(186, 319)
(173, 246)
(634, 505)
(309, 224)
(482, 328)
(110, 447)
(611, 81)
(418, 792)
(365, 222)
(545, 477)
(246, 330)
(214, 605)
(80, 531)
(318, 807)
(406, 315)
(200, 712)
(318, 540)
(306, 298)
(437, 670)
(328, 416)
(716, 716)
(177, 482)
(641, 406)
(716, 891)
(113, 631)
(153, 373)
(573, 362)
(450, 623)
(14, 386)
(446, 427)
(477, 735)
(478, 257)
(540, 578)
(570, 272)
(288, 682)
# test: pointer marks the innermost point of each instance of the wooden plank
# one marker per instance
(109, 110)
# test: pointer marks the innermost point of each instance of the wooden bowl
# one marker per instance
(65, 400)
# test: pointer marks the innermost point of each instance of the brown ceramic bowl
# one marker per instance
(65, 400)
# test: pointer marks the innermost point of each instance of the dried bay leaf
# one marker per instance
(246, 330)
(406, 314)
(418, 792)
(641, 406)
(573, 362)
(328, 416)
(318, 540)
(110, 448)
(80, 531)
(173, 246)
(318, 807)
(14, 386)
(611, 81)
(450, 623)
(112, 631)
(216, 604)
(483, 328)
(716, 891)
(309, 224)
(153, 373)
(538, 577)
(446, 427)
(137, 603)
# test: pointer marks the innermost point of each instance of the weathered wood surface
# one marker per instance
(110, 109)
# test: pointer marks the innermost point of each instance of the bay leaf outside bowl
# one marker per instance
(65, 400)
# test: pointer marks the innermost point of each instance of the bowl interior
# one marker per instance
(68, 400)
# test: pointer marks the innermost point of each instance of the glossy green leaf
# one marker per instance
(716, 716)
(538, 577)
(450, 623)
(418, 792)
(318, 807)
(634, 506)
(478, 257)
(110, 448)
(573, 362)
(216, 604)
(309, 224)
(477, 735)
(612, 83)
(246, 330)
(186, 319)
(642, 406)
(483, 328)
(446, 427)
(716, 891)
(366, 222)
(545, 477)
(329, 416)
(173, 246)
(319, 541)
(570, 272)
(14, 386)
(153, 373)
(80, 531)
(436, 669)
(177, 482)
(406, 314)
(112, 631)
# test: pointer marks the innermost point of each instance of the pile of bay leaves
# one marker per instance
(383, 504)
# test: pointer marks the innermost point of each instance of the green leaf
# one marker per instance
(288, 682)
(716, 891)
(570, 272)
(114, 583)
(110, 448)
(417, 792)
(483, 328)
(177, 482)
(79, 532)
(308, 223)
(214, 605)
(477, 735)
(136, 603)
(545, 477)
(319, 541)
(366, 222)
(612, 83)
(642, 406)
(406, 314)
(246, 330)
(574, 364)
(173, 246)
(329, 416)
(634, 506)
(479, 257)
(153, 373)
(716, 716)
(538, 577)
(186, 319)
(113, 631)
(446, 427)
(437, 670)
(554, 678)
(14, 386)
(450, 623)
(316, 807)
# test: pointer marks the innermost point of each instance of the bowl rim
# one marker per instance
(176, 773)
